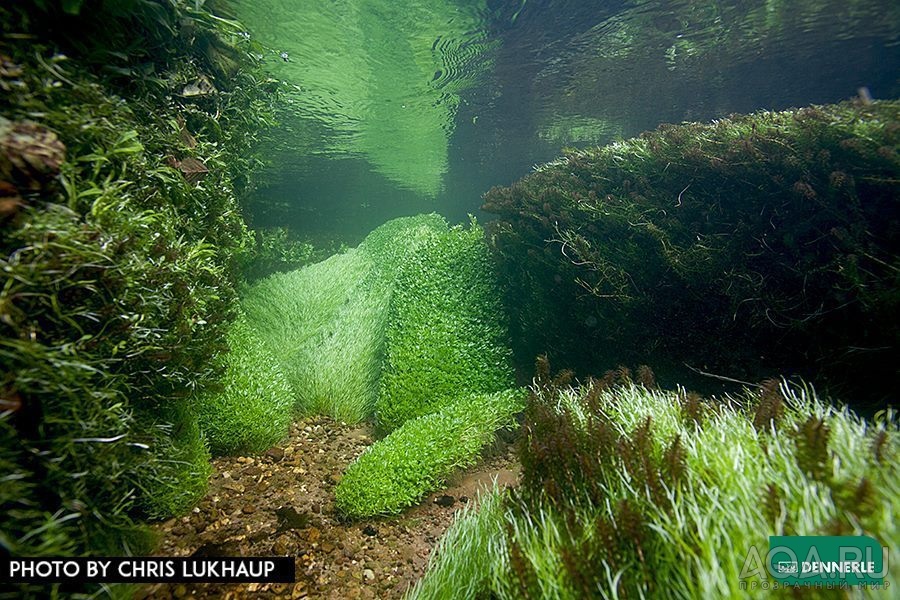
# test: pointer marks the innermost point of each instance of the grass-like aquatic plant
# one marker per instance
(251, 409)
(398, 470)
(446, 334)
(625, 494)
(183, 456)
(118, 269)
(325, 322)
(462, 562)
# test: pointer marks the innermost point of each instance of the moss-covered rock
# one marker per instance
(751, 244)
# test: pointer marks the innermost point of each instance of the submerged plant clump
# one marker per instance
(397, 471)
(776, 232)
(446, 334)
(325, 322)
(251, 408)
(632, 491)
(406, 328)
(120, 231)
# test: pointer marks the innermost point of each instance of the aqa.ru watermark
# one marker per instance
(817, 562)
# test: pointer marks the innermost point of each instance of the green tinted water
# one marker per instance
(403, 107)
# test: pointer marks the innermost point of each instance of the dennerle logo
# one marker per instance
(817, 561)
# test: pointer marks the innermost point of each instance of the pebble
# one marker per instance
(281, 545)
(369, 574)
(313, 534)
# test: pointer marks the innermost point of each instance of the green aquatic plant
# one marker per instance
(251, 409)
(119, 237)
(180, 479)
(325, 322)
(774, 231)
(446, 335)
(462, 562)
(398, 470)
(621, 494)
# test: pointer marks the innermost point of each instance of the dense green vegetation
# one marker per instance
(125, 138)
(251, 407)
(627, 490)
(446, 334)
(128, 357)
(325, 323)
(749, 245)
(407, 329)
(397, 471)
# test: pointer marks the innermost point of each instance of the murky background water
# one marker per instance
(406, 107)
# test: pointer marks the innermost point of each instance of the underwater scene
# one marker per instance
(449, 299)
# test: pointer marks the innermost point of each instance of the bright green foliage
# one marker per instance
(253, 408)
(461, 564)
(117, 282)
(325, 323)
(396, 471)
(183, 455)
(393, 243)
(776, 231)
(628, 491)
(446, 335)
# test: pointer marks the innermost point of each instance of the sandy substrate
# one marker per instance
(281, 504)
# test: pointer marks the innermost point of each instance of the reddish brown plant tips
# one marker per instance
(646, 377)
(813, 455)
(771, 406)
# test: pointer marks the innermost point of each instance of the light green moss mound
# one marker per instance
(325, 323)
(395, 472)
(446, 336)
(252, 410)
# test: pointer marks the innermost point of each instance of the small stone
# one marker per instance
(464, 499)
(233, 486)
(180, 591)
(249, 509)
(275, 453)
(369, 574)
(281, 546)
(445, 501)
(326, 547)
(313, 535)
(370, 531)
